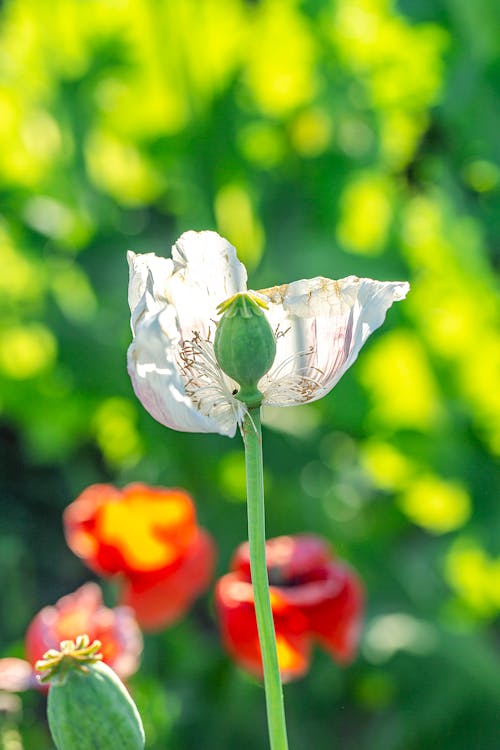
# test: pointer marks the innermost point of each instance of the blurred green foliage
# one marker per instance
(321, 138)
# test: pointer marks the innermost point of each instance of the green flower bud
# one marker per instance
(245, 345)
(88, 706)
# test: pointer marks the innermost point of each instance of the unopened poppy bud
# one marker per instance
(88, 705)
(245, 345)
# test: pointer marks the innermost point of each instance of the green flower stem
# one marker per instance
(252, 437)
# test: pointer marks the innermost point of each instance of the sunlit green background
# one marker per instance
(322, 137)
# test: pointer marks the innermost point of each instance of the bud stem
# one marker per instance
(252, 438)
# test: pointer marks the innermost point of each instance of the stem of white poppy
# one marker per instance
(252, 438)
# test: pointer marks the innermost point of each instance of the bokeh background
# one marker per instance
(327, 137)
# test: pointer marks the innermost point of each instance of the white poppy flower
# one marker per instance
(319, 324)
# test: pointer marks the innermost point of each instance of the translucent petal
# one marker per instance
(321, 325)
(142, 267)
(156, 374)
(173, 311)
(206, 272)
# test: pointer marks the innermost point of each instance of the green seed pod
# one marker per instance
(244, 344)
(88, 707)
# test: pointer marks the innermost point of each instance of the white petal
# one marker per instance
(156, 375)
(321, 325)
(142, 266)
(173, 307)
(206, 272)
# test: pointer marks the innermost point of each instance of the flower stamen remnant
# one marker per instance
(77, 654)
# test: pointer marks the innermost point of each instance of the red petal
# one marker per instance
(236, 611)
(292, 556)
(83, 612)
(334, 609)
(136, 530)
(80, 520)
(161, 597)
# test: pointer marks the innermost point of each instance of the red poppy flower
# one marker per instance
(83, 612)
(313, 597)
(150, 537)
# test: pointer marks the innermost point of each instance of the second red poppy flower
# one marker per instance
(314, 598)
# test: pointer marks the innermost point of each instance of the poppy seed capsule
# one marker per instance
(88, 706)
(244, 344)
